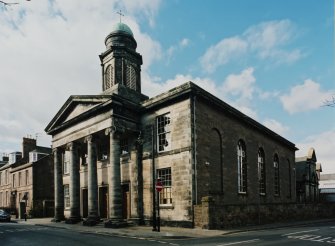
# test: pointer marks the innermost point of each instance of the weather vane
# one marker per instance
(120, 13)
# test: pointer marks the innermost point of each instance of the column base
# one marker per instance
(136, 221)
(116, 223)
(73, 220)
(91, 221)
(58, 219)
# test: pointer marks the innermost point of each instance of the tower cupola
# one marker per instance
(121, 64)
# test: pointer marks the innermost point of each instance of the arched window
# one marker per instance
(215, 167)
(276, 175)
(109, 80)
(131, 77)
(261, 172)
(290, 179)
(242, 167)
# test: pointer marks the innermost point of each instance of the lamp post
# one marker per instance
(154, 222)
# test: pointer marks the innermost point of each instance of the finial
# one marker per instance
(120, 13)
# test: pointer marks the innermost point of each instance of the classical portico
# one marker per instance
(91, 132)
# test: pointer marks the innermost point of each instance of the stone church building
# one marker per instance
(109, 150)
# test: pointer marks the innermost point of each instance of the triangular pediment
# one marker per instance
(75, 107)
(78, 109)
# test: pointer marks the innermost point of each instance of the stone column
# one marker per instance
(74, 184)
(93, 216)
(115, 196)
(136, 182)
(58, 186)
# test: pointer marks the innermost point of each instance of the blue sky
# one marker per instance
(273, 60)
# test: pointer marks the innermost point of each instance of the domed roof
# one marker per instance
(121, 27)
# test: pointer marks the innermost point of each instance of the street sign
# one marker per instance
(159, 186)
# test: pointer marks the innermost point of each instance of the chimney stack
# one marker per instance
(28, 144)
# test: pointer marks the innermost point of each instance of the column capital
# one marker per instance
(55, 151)
(71, 146)
(88, 139)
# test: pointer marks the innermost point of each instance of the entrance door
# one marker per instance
(85, 202)
(22, 211)
(103, 202)
(125, 201)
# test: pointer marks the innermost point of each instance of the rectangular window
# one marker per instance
(163, 132)
(124, 149)
(66, 196)
(165, 196)
(66, 163)
(0, 178)
(14, 184)
(20, 177)
(27, 177)
(33, 156)
(6, 198)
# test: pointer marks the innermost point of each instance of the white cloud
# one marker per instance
(184, 42)
(153, 87)
(241, 85)
(324, 146)
(268, 35)
(221, 53)
(174, 48)
(276, 126)
(304, 97)
(266, 39)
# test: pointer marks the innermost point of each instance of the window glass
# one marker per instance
(66, 163)
(66, 196)
(165, 195)
(276, 175)
(163, 133)
(242, 167)
(124, 146)
(261, 172)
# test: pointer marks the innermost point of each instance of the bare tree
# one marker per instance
(330, 102)
(7, 4)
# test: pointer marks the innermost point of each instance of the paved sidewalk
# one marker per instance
(166, 232)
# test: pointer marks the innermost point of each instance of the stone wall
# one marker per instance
(218, 131)
(211, 215)
(178, 158)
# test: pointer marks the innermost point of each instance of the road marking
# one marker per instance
(240, 242)
(299, 232)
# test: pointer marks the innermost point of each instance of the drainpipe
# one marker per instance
(194, 155)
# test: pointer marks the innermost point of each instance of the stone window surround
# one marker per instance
(163, 132)
(276, 179)
(66, 196)
(242, 167)
(261, 172)
(165, 195)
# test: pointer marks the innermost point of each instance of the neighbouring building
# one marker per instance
(3, 159)
(26, 181)
(327, 187)
(110, 148)
(307, 177)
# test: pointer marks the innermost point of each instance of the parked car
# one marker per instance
(4, 216)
